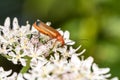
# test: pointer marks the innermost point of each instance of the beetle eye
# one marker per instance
(38, 22)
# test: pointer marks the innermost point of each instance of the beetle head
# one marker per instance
(38, 22)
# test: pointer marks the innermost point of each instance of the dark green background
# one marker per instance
(94, 24)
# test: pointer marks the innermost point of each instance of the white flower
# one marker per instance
(7, 75)
(19, 77)
(43, 58)
(68, 53)
(60, 69)
(22, 31)
(17, 56)
(24, 42)
(8, 36)
(66, 36)
(4, 49)
(34, 52)
(98, 73)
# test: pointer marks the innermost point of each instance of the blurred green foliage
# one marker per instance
(94, 24)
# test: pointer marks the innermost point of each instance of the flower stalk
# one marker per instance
(27, 67)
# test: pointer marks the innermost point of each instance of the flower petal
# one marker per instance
(15, 24)
(7, 23)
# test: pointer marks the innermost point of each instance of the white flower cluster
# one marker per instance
(42, 58)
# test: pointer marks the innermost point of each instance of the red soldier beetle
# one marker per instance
(47, 30)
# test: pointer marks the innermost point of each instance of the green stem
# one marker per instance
(25, 68)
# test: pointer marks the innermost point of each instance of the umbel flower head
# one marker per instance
(42, 58)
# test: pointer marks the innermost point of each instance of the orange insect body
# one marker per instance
(47, 30)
